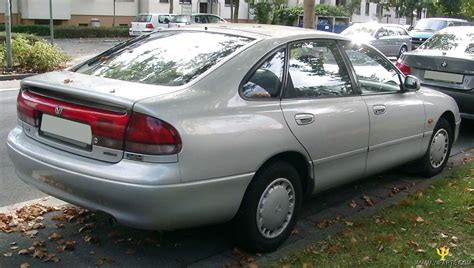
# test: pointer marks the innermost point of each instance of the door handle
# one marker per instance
(379, 109)
(304, 119)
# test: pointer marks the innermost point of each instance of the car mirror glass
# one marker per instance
(411, 83)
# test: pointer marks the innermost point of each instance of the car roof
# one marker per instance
(447, 19)
(263, 31)
(459, 29)
(155, 14)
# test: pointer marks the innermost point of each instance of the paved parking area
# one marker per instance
(97, 240)
(81, 49)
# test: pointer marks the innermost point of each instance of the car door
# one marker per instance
(324, 112)
(395, 41)
(381, 41)
(396, 117)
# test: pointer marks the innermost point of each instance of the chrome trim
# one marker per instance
(394, 142)
(339, 156)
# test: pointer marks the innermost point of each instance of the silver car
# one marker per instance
(200, 18)
(148, 22)
(446, 62)
(391, 39)
(195, 126)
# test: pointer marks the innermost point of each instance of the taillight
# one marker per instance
(107, 127)
(152, 136)
(149, 26)
(402, 67)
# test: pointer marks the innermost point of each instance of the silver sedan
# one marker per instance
(201, 125)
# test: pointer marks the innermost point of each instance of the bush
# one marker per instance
(70, 31)
(31, 38)
(262, 11)
(38, 56)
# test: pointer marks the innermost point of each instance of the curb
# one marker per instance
(48, 201)
(15, 76)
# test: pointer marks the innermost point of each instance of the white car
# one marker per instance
(149, 22)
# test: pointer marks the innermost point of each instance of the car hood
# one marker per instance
(88, 87)
(421, 34)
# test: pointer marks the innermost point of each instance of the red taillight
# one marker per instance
(152, 136)
(402, 67)
(108, 128)
(149, 26)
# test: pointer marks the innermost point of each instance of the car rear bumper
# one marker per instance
(138, 33)
(142, 195)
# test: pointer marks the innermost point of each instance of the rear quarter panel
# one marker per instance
(223, 134)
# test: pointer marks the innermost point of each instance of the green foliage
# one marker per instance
(262, 11)
(330, 10)
(468, 10)
(450, 7)
(37, 56)
(286, 15)
(69, 31)
(31, 38)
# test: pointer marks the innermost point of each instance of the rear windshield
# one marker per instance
(142, 18)
(180, 19)
(460, 41)
(431, 25)
(169, 58)
(364, 29)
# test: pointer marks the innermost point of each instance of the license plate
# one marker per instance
(445, 77)
(66, 130)
(136, 32)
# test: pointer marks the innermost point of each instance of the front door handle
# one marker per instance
(379, 109)
(304, 119)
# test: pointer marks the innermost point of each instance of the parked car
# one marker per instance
(181, 20)
(391, 39)
(446, 61)
(191, 126)
(425, 28)
(149, 22)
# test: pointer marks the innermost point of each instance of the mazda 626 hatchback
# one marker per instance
(206, 124)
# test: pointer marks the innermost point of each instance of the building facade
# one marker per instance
(88, 12)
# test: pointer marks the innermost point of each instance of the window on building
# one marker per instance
(379, 10)
(83, 24)
(227, 2)
(164, 1)
(367, 8)
(185, 1)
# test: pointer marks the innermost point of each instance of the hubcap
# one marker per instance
(439, 148)
(275, 208)
(403, 50)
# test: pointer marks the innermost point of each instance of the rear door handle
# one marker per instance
(379, 109)
(304, 119)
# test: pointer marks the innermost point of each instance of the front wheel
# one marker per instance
(269, 210)
(403, 50)
(436, 158)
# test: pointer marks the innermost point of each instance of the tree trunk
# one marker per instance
(236, 11)
(171, 6)
(309, 17)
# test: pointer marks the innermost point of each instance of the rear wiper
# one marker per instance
(111, 51)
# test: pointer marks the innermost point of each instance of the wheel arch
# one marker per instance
(449, 116)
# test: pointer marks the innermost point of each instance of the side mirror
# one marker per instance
(411, 83)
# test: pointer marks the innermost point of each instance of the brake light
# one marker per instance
(108, 128)
(149, 26)
(405, 69)
(152, 136)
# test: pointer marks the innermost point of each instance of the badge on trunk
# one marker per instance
(58, 110)
(444, 64)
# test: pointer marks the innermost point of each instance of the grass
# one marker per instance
(401, 235)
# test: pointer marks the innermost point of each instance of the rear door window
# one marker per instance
(171, 58)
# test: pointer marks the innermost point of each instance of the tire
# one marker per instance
(275, 188)
(439, 149)
(403, 49)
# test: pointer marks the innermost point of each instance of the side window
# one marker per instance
(267, 80)
(376, 74)
(213, 19)
(316, 70)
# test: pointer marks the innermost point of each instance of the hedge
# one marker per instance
(31, 38)
(70, 31)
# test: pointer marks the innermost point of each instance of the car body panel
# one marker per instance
(158, 20)
(225, 139)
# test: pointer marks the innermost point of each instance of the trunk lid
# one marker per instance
(81, 114)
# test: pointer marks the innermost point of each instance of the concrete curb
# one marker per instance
(15, 76)
(45, 201)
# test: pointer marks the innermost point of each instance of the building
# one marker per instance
(88, 12)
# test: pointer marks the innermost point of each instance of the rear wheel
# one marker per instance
(436, 158)
(269, 210)
(403, 49)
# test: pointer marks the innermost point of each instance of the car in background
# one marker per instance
(181, 20)
(446, 62)
(149, 22)
(391, 39)
(425, 28)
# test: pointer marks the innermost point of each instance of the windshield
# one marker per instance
(364, 29)
(431, 24)
(180, 19)
(451, 41)
(142, 18)
(170, 58)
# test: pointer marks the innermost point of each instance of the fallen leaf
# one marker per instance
(348, 223)
(14, 247)
(39, 253)
(443, 235)
(23, 251)
(86, 227)
(368, 200)
(13, 243)
(353, 204)
(25, 265)
(67, 81)
(54, 236)
(366, 258)
(420, 250)
(8, 254)
(420, 219)
(455, 239)
(439, 201)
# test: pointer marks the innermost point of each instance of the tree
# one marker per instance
(236, 11)
(309, 18)
(171, 6)
(468, 9)
(451, 8)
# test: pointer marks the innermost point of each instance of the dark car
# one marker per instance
(425, 28)
(446, 61)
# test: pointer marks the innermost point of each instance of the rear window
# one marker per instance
(180, 19)
(451, 41)
(170, 58)
(142, 18)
